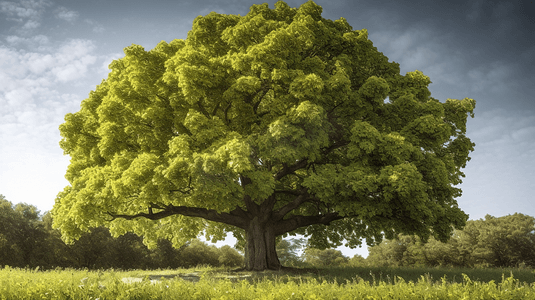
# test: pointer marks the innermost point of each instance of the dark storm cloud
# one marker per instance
(465, 45)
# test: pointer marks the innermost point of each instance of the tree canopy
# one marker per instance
(277, 122)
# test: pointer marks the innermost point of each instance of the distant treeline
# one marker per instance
(27, 239)
(507, 241)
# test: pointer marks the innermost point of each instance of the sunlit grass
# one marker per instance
(221, 283)
(388, 274)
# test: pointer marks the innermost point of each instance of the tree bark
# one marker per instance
(260, 252)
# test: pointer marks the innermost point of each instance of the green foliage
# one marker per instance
(229, 257)
(198, 253)
(357, 261)
(288, 251)
(496, 242)
(374, 274)
(324, 258)
(277, 116)
(22, 236)
(499, 242)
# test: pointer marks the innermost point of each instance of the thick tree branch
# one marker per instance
(265, 90)
(252, 207)
(203, 109)
(216, 108)
(289, 192)
(226, 112)
(268, 204)
(295, 222)
(163, 99)
(290, 169)
(234, 218)
(300, 199)
(336, 145)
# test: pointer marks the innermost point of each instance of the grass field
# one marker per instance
(210, 283)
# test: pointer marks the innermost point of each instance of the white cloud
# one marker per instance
(27, 177)
(18, 97)
(23, 9)
(30, 96)
(73, 59)
(107, 61)
(21, 69)
(31, 156)
(65, 14)
(30, 25)
(38, 42)
(34, 101)
(28, 12)
(40, 63)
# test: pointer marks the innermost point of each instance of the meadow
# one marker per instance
(219, 283)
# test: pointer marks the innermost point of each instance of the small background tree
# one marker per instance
(324, 258)
(289, 251)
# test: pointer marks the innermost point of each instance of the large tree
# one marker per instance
(278, 122)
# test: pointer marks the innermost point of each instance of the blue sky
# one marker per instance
(53, 53)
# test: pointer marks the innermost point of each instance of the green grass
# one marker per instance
(388, 274)
(331, 283)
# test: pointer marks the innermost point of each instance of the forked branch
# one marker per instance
(301, 198)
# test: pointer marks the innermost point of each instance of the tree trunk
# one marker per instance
(260, 251)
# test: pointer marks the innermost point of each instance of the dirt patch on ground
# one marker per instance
(232, 275)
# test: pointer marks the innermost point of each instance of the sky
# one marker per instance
(54, 52)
